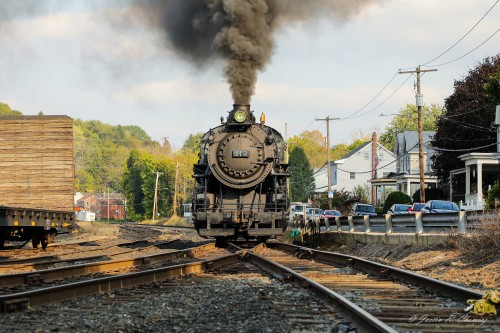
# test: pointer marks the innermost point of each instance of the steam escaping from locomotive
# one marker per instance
(238, 31)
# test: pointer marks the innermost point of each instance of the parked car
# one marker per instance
(416, 207)
(397, 209)
(440, 206)
(332, 213)
(359, 209)
(314, 213)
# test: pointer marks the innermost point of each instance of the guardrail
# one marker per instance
(418, 223)
(418, 228)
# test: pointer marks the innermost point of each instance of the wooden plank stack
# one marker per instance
(36, 162)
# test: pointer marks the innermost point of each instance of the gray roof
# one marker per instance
(408, 141)
(361, 146)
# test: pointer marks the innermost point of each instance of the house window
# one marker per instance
(353, 175)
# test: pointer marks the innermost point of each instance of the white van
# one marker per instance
(298, 211)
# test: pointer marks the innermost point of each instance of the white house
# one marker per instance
(355, 168)
(407, 165)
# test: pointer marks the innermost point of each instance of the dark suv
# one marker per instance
(359, 209)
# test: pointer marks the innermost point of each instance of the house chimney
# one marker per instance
(374, 155)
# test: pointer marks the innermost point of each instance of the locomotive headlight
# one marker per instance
(240, 116)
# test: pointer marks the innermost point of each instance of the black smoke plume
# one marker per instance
(239, 31)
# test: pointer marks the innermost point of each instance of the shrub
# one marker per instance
(430, 194)
(396, 197)
(493, 193)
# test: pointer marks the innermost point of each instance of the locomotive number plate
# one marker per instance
(241, 153)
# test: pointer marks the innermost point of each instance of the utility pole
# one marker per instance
(420, 103)
(288, 189)
(155, 203)
(328, 119)
(108, 203)
(175, 189)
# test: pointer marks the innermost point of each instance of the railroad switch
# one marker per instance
(486, 305)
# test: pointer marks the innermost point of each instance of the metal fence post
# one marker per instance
(351, 225)
(462, 222)
(388, 223)
(366, 222)
(419, 227)
(337, 222)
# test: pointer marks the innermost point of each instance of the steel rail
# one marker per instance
(364, 321)
(48, 275)
(22, 300)
(445, 288)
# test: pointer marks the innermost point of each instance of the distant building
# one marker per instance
(104, 205)
(112, 206)
(88, 202)
(407, 162)
(355, 168)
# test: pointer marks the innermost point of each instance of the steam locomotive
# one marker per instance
(241, 180)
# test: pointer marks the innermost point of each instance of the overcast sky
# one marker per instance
(92, 60)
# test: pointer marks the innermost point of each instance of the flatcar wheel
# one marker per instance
(45, 241)
(35, 240)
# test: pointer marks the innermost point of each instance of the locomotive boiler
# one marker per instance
(241, 180)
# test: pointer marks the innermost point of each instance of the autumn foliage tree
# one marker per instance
(466, 124)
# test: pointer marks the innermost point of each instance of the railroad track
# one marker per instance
(31, 259)
(378, 297)
(12, 283)
(43, 262)
(366, 293)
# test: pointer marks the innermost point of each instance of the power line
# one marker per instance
(378, 94)
(474, 49)
(468, 32)
(461, 114)
(461, 150)
(381, 103)
(379, 168)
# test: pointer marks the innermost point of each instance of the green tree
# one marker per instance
(139, 182)
(492, 86)
(5, 110)
(407, 120)
(301, 175)
(192, 143)
(466, 123)
(396, 197)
